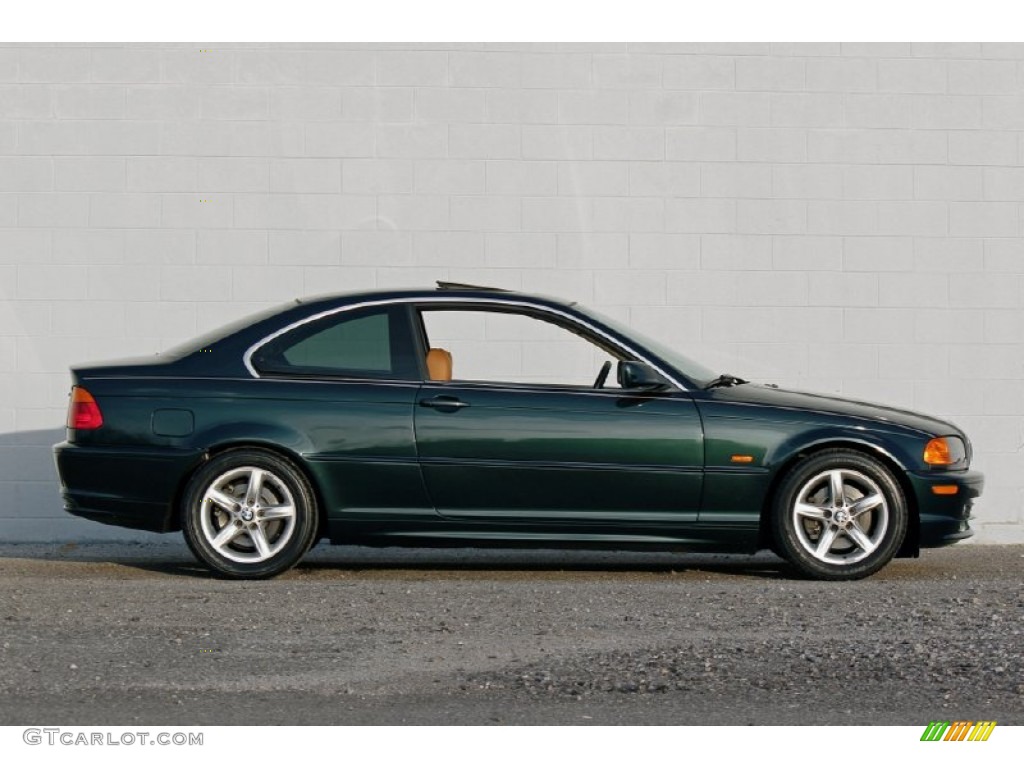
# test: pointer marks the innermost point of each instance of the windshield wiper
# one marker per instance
(725, 380)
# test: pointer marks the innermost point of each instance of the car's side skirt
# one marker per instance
(737, 537)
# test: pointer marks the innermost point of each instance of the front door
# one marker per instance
(519, 448)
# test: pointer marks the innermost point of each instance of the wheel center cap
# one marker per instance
(842, 516)
(246, 513)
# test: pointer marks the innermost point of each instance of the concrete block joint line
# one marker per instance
(836, 217)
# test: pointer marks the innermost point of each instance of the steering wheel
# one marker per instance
(602, 376)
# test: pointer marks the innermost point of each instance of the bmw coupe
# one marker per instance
(471, 416)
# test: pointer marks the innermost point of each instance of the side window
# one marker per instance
(362, 344)
(368, 344)
(513, 348)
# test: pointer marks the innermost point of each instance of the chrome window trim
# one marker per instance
(247, 357)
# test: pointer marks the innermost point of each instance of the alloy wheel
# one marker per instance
(840, 516)
(247, 514)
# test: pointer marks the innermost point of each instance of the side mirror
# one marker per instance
(633, 374)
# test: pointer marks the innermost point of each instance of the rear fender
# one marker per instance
(254, 433)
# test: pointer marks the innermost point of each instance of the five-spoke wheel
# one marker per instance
(839, 514)
(249, 514)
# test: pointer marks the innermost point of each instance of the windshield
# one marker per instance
(209, 338)
(694, 371)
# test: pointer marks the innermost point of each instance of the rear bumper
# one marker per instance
(945, 519)
(125, 486)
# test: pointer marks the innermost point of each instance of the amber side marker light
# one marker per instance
(83, 412)
(741, 458)
(937, 452)
(945, 490)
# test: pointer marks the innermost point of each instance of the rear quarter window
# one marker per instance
(363, 344)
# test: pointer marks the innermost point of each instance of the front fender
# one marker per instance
(898, 448)
(748, 450)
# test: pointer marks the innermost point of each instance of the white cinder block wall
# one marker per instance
(844, 218)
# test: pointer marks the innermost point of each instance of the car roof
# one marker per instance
(238, 340)
(454, 291)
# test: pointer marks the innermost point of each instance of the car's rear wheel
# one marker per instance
(249, 514)
(839, 514)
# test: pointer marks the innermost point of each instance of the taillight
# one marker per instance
(83, 413)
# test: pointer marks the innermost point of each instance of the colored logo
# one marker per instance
(960, 730)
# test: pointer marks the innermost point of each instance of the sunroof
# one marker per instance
(443, 285)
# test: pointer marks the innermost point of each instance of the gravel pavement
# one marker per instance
(115, 634)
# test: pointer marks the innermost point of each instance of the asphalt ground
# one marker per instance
(116, 634)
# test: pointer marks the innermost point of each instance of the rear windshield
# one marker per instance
(210, 338)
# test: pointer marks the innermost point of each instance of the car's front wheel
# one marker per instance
(838, 515)
(249, 514)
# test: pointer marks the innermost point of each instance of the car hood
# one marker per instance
(760, 394)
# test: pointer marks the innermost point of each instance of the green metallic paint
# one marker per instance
(519, 466)
(945, 519)
(548, 454)
(131, 486)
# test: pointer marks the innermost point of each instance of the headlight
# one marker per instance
(948, 452)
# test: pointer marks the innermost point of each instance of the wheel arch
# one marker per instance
(263, 444)
(910, 545)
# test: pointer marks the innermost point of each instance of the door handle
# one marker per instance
(444, 403)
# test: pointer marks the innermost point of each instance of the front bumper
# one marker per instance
(133, 487)
(945, 519)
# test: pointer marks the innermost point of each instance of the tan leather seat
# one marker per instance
(439, 364)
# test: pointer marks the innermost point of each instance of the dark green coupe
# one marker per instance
(475, 416)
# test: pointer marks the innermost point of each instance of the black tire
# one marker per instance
(839, 536)
(241, 537)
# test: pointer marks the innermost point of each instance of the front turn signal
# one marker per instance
(944, 452)
(937, 452)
